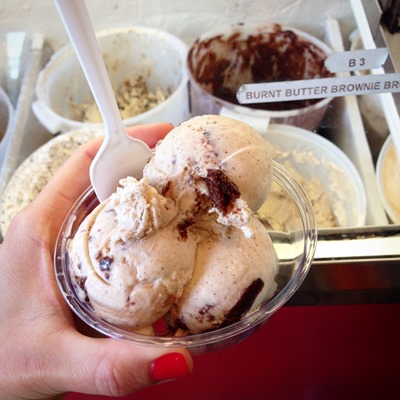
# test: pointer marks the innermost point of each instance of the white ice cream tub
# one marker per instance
(388, 179)
(6, 116)
(156, 55)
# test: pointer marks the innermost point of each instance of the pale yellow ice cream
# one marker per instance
(390, 177)
(182, 242)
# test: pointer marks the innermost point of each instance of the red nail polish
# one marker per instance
(169, 366)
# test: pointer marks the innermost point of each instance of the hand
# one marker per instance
(42, 355)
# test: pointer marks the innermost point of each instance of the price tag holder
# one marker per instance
(356, 60)
(317, 88)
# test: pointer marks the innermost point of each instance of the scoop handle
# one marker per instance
(78, 25)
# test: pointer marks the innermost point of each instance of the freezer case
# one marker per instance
(352, 265)
(360, 265)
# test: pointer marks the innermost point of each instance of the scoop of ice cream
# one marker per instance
(183, 240)
(139, 209)
(129, 274)
(217, 158)
(232, 274)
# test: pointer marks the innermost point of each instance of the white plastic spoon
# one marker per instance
(120, 155)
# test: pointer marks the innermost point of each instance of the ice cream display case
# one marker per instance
(365, 231)
(328, 105)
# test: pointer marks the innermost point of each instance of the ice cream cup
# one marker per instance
(157, 56)
(294, 247)
(388, 179)
(6, 115)
(221, 60)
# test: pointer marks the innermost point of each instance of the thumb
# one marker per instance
(114, 367)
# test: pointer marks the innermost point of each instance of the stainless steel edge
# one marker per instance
(369, 243)
(353, 266)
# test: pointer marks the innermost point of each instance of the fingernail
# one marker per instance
(170, 366)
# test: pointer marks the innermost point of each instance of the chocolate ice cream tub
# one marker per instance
(221, 60)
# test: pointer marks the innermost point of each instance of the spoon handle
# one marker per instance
(75, 17)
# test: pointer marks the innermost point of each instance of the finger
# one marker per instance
(116, 368)
(151, 133)
(72, 179)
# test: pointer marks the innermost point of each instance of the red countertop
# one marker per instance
(311, 353)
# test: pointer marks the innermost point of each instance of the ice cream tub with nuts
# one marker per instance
(147, 71)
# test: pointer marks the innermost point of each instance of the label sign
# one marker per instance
(317, 88)
(356, 60)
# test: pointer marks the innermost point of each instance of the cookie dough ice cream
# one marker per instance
(219, 157)
(182, 242)
(129, 260)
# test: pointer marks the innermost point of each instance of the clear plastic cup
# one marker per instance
(223, 59)
(294, 247)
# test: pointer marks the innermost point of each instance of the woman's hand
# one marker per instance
(42, 355)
